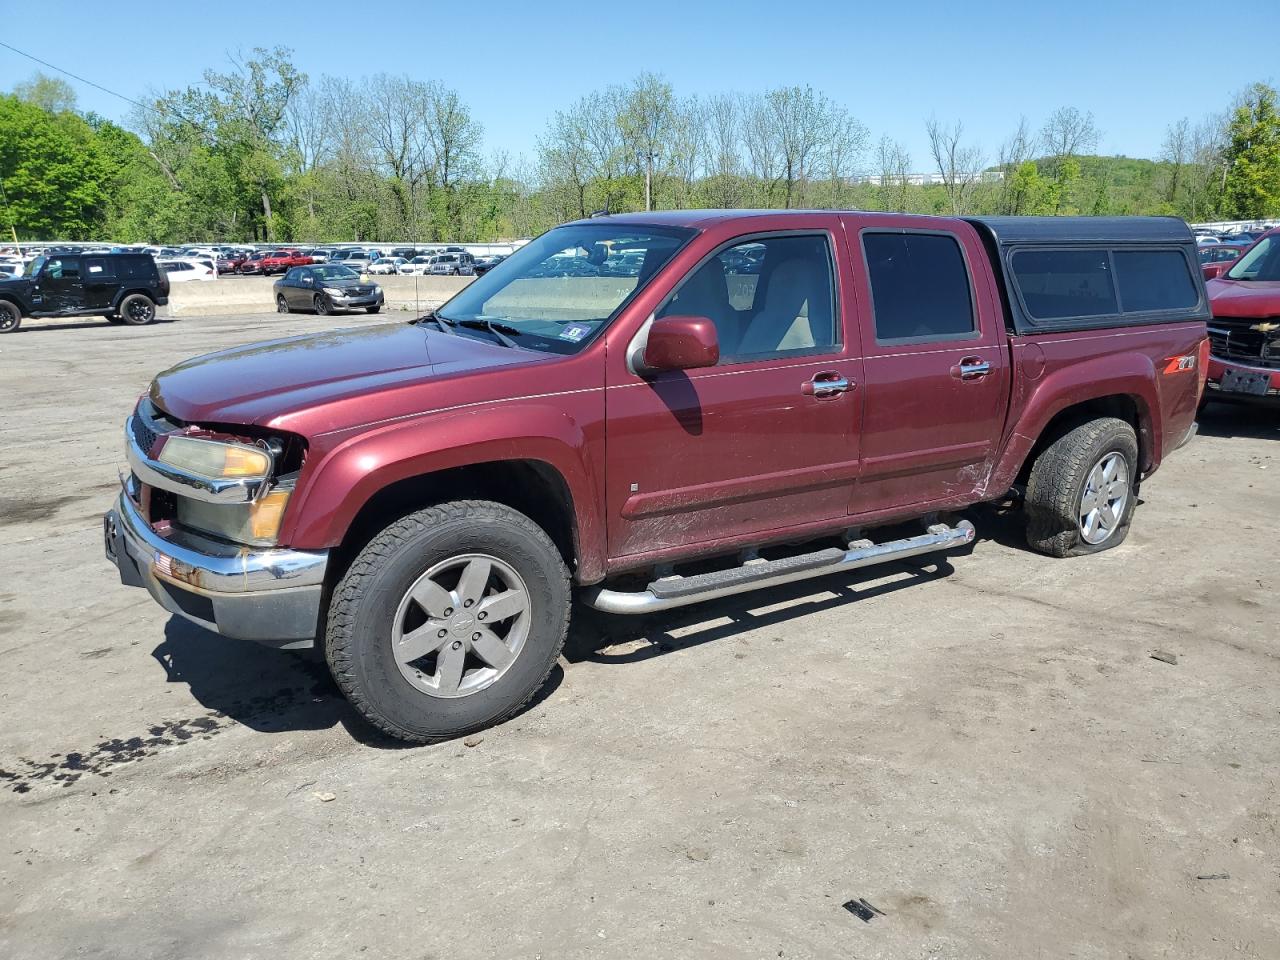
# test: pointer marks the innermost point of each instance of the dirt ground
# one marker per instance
(982, 748)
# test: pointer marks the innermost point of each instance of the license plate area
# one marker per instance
(1242, 381)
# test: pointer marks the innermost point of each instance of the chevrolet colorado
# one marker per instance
(424, 499)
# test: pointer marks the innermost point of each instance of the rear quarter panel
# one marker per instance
(1055, 371)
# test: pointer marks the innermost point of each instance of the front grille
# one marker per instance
(148, 423)
(1236, 339)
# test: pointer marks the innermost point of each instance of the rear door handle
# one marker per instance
(971, 368)
(825, 386)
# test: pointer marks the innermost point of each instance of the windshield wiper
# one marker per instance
(500, 331)
(432, 317)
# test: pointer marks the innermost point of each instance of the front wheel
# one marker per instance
(322, 305)
(1083, 489)
(137, 310)
(449, 620)
(374, 309)
(10, 317)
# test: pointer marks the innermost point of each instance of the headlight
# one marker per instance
(376, 288)
(335, 291)
(216, 460)
(256, 523)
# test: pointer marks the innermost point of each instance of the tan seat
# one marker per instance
(796, 314)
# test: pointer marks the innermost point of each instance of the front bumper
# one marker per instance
(270, 596)
(358, 301)
(1218, 367)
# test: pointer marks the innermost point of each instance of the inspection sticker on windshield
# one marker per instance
(574, 332)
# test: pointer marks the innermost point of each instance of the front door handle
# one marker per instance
(825, 386)
(971, 368)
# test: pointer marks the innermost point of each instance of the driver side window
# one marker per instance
(770, 297)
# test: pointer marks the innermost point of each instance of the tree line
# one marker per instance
(259, 151)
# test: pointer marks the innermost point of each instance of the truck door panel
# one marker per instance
(935, 365)
(755, 443)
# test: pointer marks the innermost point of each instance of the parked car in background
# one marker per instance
(326, 288)
(483, 265)
(230, 262)
(449, 265)
(385, 266)
(1216, 260)
(432, 498)
(123, 287)
(418, 265)
(1244, 334)
(278, 261)
(252, 264)
(357, 260)
(187, 270)
(317, 255)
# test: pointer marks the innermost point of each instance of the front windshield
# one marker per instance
(33, 267)
(1262, 262)
(556, 292)
(335, 273)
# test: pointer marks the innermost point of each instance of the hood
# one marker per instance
(1244, 298)
(327, 381)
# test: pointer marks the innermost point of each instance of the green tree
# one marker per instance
(1251, 189)
(53, 173)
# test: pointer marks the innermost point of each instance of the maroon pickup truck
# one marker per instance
(707, 403)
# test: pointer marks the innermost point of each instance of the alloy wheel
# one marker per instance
(461, 625)
(1105, 497)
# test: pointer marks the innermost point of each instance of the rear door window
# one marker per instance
(1154, 280)
(1056, 284)
(98, 268)
(920, 289)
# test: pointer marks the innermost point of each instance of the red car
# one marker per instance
(1244, 360)
(1216, 259)
(252, 264)
(279, 261)
(756, 405)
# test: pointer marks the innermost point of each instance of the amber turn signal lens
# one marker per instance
(265, 515)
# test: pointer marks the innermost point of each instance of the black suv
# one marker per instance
(123, 287)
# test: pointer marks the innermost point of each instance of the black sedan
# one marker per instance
(325, 288)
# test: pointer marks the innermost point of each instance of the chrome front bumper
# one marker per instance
(271, 596)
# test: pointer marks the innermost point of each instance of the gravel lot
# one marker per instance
(984, 749)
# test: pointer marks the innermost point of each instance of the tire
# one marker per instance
(322, 305)
(1074, 466)
(373, 599)
(137, 310)
(373, 309)
(10, 317)
(282, 305)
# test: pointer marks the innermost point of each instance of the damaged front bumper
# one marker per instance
(271, 596)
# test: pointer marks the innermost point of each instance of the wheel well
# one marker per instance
(533, 487)
(131, 291)
(1121, 406)
(14, 303)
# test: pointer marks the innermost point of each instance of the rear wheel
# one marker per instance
(137, 310)
(10, 317)
(1082, 489)
(282, 305)
(449, 620)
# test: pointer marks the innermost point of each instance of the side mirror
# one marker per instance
(681, 343)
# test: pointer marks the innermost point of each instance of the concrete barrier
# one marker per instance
(228, 295)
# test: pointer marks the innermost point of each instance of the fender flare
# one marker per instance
(344, 479)
(1131, 375)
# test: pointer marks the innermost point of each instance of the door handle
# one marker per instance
(825, 386)
(971, 368)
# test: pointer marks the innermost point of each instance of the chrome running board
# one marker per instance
(669, 592)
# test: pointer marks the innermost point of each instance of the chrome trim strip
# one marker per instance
(938, 537)
(156, 474)
(213, 568)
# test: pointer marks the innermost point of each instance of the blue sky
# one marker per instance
(1136, 66)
